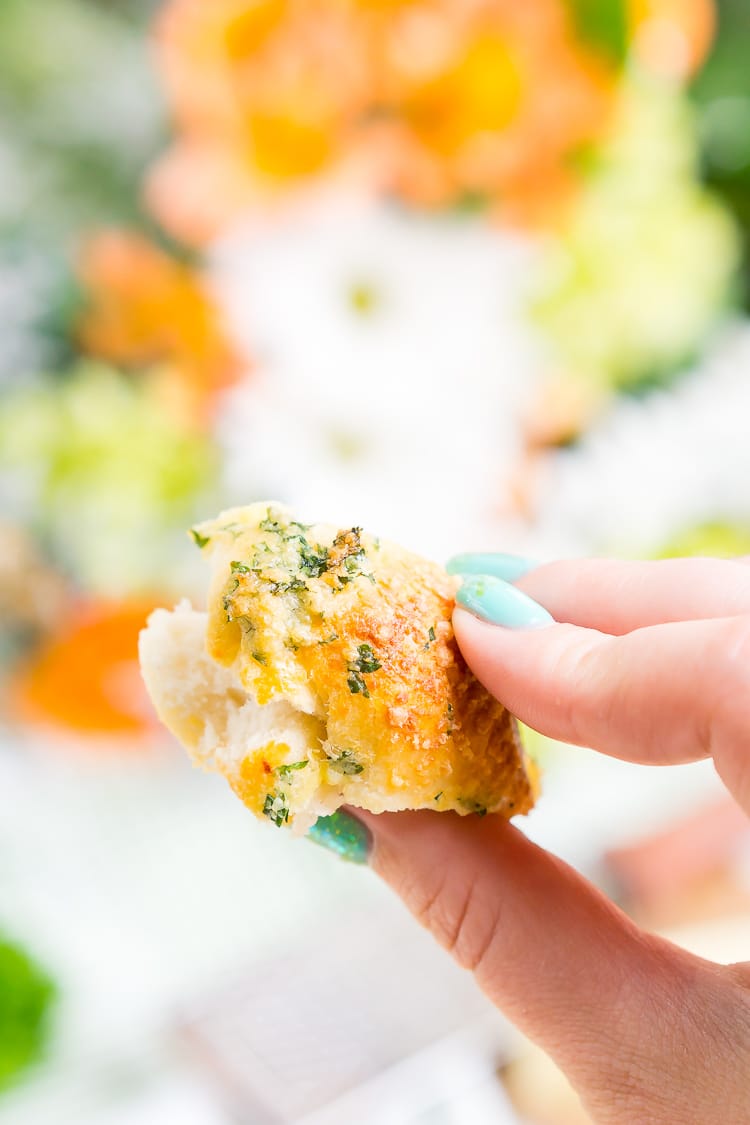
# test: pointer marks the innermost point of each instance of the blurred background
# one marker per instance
(472, 273)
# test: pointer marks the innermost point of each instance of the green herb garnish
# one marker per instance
(287, 770)
(348, 557)
(313, 561)
(473, 806)
(357, 685)
(240, 568)
(260, 657)
(346, 763)
(270, 524)
(234, 529)
(198, 539)
(430, 638)
(276, 808)
(226, 601)
(295, 585)
(366, 660)
(438, 796)
(365, 663)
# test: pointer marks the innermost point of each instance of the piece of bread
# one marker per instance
(325, 673)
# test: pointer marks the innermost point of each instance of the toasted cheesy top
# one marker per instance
(355, 634)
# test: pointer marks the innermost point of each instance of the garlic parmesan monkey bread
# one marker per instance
(326, 673)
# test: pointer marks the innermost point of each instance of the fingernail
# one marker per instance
(507, 567)
(343, 834)
(500, 603)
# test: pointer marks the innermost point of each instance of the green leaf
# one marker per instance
(26, 993)
(200, 540)
(603, 26)
(285, 771)
(346, 763)
(276, 808)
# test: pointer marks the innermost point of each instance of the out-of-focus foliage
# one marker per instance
(109, 473)
(80, 119)
(81, 115)
(26, 993)
(645, 266)
(722, 93)
(714, 540)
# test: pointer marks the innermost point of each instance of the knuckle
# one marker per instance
(727, 729)
(736, 651)
(461, 919)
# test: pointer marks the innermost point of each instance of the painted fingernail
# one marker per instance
(343, 834)
(500, 603)
(507, 567)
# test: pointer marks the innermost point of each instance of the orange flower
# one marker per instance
(493, 104)
(85, 678)
(147, 309)
(430, 99)
(672, 37)
(264, 94)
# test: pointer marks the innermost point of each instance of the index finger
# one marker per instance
(661, 695)
(616, 596)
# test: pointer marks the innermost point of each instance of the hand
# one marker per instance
(652, 665)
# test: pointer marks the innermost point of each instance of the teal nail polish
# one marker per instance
(507, 567)
(343, 834)
(500, 603)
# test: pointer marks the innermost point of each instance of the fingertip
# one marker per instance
(499, 602)
(479, 640)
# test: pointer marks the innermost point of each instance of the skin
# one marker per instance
(648, 662)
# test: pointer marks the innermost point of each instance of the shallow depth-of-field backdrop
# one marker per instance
(470, 273)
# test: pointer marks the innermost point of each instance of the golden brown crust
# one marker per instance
(359, 635)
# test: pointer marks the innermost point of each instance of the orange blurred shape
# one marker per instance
(691, 869)
(672, 37)
(433, 101)
(85, 677)
(264, 94)
(200, 46)
(495, 104)
(145, 308)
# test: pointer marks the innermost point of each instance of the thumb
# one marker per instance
(617, 1009)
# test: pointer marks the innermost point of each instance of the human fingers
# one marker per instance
(614, 596)
(645, 1032)
(664, 694)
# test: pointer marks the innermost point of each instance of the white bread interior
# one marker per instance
(204, 704)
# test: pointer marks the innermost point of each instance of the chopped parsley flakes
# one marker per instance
(276, 808)
(346, 763)
(285, 565)
(348, 557)
(449, 718)
(285, 772)
(365, 663)
(198, 539)
(313, 561)
(473, 806)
